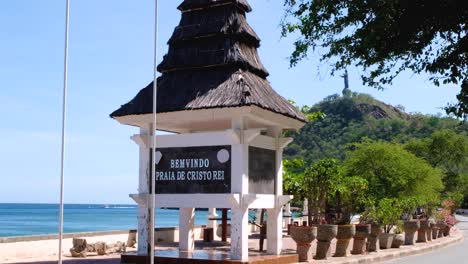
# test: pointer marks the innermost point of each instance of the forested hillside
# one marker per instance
(350, 118)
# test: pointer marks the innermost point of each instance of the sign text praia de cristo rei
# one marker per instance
(226, 146)
(193, 170)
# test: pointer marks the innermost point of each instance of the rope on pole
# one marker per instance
(64, 113)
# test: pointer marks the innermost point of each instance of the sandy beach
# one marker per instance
(46, 250)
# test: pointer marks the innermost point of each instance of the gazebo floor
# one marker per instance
(174, 256)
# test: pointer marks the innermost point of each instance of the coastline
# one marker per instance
(46, 250)
(32, 238)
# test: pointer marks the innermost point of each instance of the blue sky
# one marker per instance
(111, 56)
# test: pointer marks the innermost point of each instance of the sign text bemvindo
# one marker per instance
(193, 170)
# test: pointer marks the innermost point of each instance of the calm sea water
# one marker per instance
(38, 219)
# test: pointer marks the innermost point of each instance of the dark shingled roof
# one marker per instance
(195, 4)
(212, 62)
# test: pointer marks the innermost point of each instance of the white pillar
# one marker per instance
(143, 188)
(275, 231)
(212, 223)
(287, 212)
(287, 209)
(275, 215)
(186, 233)
(239, 234)
(240, 185)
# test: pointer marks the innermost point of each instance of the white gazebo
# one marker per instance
(226, 150)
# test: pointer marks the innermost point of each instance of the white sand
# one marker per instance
(46, 250)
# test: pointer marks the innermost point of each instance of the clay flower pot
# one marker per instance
(343, 237)
(386, 240)
(362, 233)
(410, 228)
(303, 236)
(435, 231)
(441, 226)
(429, 231)
(424, 225)
(374, 245)
(447, 230)
(398, 240)
(325, 234)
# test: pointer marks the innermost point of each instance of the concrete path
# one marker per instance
(457, 253)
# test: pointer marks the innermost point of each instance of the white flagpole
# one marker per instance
(153, 133)
(64, 112)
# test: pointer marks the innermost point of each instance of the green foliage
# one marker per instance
(320, 181)
(369, 34)
(447, 151)
(293, 173)
(387, 213)
(350, 197)
(350, 119)
(315, 182)
(311, 116)
(392, 172)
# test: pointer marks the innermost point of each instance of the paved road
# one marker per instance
(452, 254)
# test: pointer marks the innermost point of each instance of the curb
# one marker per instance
(404, 251)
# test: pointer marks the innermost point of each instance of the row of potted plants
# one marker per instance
(367, 237)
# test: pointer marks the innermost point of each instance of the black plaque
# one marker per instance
(193, 170)
(262, 170)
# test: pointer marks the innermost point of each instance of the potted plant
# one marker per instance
(303, 236)
(325, 234)
(445, 221)
(450, 221)
(373, 240)
(344, 235)
(435, 230)
(386, 215)
(441, 228)
(410, 228)
(424, 226)
(360, 239)
(429, 231)
(399, 238)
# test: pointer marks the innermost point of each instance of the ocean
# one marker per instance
(39, 219)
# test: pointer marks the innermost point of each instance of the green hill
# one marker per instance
(356, 116)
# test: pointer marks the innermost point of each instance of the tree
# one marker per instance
(350, 198)
(314, 182)
(393, 172)
(386, 38)
(448, 151)
(387, 213)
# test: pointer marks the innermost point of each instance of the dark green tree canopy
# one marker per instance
(386, 37)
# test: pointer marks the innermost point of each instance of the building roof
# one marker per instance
(212, 62)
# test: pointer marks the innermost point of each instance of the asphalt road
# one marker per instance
(457, 253)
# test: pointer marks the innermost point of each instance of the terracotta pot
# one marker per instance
(441, 226)
(303, 236)
(435, 231)
(424, 225)
(374, 245)
(359, 244)
(346, 231)
(429, 231)
(344, 235)
(447, 230)
(325, 234)
(386, 240)
(398, 240)
(410, 228)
